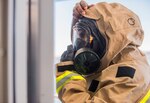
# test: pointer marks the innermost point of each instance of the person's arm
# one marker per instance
(79, 11)
(72, 88)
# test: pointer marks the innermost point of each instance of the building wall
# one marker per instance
(3, 54)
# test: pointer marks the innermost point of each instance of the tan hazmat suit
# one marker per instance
(124, 76)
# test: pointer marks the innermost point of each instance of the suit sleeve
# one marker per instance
(112, 90)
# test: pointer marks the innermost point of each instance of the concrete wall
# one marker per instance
(3, 53)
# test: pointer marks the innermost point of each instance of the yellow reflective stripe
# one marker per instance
(146, 97)
(71, 78)
(65, 78)
(62, 76)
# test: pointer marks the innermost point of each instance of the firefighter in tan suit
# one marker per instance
(104, 63)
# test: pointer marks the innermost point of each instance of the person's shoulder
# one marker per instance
(119, 71)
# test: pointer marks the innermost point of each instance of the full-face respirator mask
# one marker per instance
(88, 47)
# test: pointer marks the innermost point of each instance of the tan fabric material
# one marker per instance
(64, 63)
(113, 21)
(124, 34)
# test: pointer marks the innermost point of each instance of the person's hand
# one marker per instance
(68, 55)
(79, 9)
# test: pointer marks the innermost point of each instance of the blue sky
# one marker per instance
(63, 17)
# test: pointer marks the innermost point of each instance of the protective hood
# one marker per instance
(119, 25)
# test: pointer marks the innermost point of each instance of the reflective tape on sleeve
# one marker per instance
(146, 98)
(65, 78)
